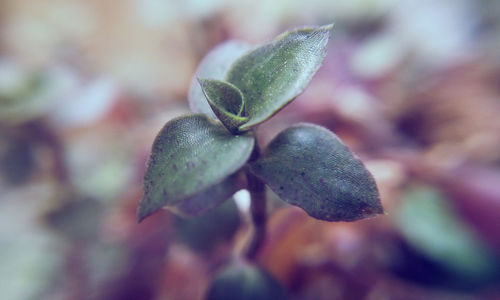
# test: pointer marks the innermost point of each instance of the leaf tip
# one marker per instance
(144, 210)
(374, 210)
(327, 27)
(325, 31)
(140, 216)
(201, 80)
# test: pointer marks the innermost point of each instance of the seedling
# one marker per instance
(200, 160)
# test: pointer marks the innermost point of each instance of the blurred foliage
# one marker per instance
(77, 218)
(433, 229)
(17, 160)
(242, 281)
(206, 232)
(411, 86)
(24, 97)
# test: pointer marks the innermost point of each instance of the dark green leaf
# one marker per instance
(308, 166)
(274, 74)
(206, 232)
(226, 101)
(189, 155)
(214, 65)
(210, 198)
(242, 281)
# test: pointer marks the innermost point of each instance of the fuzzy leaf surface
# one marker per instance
(274, 74)
(214, 65)
(226, 101)
(309, 166)
(189, 155)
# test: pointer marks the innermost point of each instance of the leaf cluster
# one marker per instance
(198, 161)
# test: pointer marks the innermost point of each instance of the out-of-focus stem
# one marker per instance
(257, 209)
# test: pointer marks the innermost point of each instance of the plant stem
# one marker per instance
(257, 208)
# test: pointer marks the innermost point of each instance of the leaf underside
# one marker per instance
(214, 65)
(211, 197)
(308, 166)
(189, 155)
(274, 74)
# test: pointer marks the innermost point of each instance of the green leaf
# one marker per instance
(189, 155)
(205, 233)
(211, 197)
(309, 166)
(274, 74)
(428, 222)
(243, 281)
(214, 65)
(226, 101)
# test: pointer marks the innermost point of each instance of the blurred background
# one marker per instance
(413, 87)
